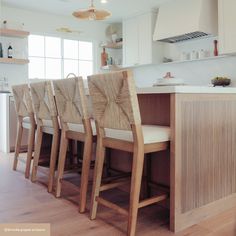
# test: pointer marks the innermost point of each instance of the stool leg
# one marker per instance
(87, 155)
(37, 153)
(31, 138)
(100, 156)
(61, 163)
(71, 152)
(148, 173)
(53, 159)
(18, 143)
(136, 179)
(80, 151)
(108, 162)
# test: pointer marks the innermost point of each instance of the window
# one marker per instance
(55, 58)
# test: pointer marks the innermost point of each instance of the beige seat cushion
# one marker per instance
(151, 134)
(26, 120)
(47, 123)
(26, 123)
(80, 128)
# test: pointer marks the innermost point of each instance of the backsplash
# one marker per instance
(193, 73)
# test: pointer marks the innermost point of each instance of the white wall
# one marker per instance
(196, 72)
(46, 24)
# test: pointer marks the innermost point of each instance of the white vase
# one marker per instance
(114, 37)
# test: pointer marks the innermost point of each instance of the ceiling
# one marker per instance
(119, 8)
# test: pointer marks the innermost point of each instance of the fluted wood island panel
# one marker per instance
(203, 156)
(201, 165)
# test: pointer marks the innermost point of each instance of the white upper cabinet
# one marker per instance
(138, 45)
(130, 42)
(227, 32)
(145, 39)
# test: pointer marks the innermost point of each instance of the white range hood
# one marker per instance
(180, 20)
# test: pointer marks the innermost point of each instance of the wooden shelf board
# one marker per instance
(14, 61)
(112, 67)
(202, 59)
(113, 45)
(14, 33)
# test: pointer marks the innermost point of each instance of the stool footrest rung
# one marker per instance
(114, 185)
(112, 206)
(152, 200)
(115, 177)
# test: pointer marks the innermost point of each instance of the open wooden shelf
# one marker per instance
(14, 61)
(195, 60)
(112, 67)
(14, 33)
(112, 45)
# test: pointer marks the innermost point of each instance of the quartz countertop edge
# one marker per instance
(173, 89)
(185, 89)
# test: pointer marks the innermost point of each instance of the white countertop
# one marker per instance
(185, 89)
(173, 89)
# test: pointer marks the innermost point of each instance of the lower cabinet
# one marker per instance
(13, 128)
(8, 125)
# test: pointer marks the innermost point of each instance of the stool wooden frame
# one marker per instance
(72, 110)
(24, 110)
(47, 122)
(116, 106)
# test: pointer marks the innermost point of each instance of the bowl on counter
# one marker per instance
(221, 81)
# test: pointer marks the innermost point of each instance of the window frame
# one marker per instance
(62, 59)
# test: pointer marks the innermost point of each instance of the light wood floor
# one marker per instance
(25, 202)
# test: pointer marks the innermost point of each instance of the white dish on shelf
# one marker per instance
(171, 81)
(155, 85)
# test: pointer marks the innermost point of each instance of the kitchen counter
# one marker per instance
(8, 124)
(185, 89)
(200, 167)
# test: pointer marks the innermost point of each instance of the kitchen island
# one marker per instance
(202, 166)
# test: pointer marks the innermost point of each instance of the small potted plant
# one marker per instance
(4, 24)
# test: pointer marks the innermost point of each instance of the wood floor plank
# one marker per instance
(22, 202)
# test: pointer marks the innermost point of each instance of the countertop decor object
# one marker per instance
(167, 60)
(216, 48)
(4, 24)
(91, 13)
(221, 81)
(168, 76)
(168, 79)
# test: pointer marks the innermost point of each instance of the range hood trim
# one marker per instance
(201, 23)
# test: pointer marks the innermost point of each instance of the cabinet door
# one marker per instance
(145, 39)
(131, 42)
(227, 32)
(13, 128)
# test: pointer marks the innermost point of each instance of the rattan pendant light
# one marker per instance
(92, 13)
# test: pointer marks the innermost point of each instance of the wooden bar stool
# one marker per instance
(47, 122)
(26, 120)
(76, 125)
(118, 123)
